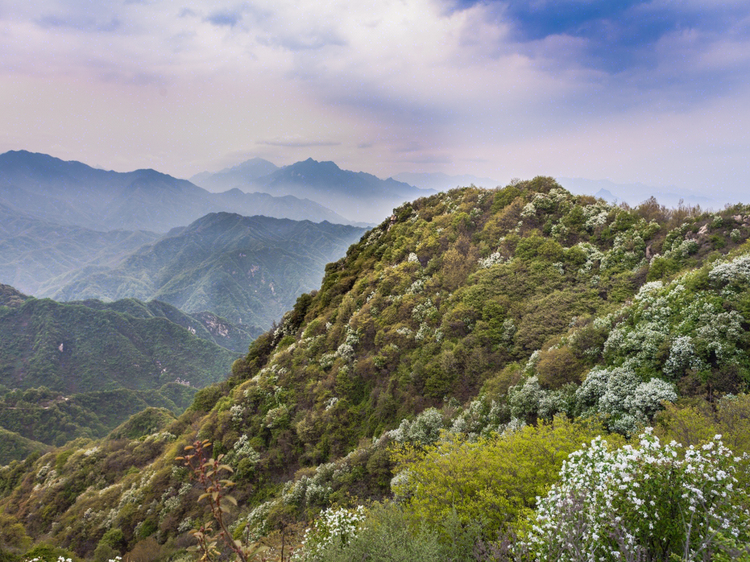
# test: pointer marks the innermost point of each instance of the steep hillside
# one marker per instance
(72, 193)
(13, 447)
(78, 370)
(473, 312)
(248, 270)
(205, 325)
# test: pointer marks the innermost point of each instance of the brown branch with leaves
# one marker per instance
(207, 471)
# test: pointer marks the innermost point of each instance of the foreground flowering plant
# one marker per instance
(333, 529)
(652, 502)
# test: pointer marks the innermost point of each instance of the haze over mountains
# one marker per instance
(72, 193)
(438, 181)
(33, 251)
(636, 193)
(357, 195)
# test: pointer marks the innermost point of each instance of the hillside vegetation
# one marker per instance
(79, 370)
(453, 360)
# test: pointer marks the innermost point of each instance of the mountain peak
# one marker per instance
(11, 297)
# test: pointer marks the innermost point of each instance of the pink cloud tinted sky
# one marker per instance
(634, 91)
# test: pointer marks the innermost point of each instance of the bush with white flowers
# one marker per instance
(623, 396)
(424, 430)
(653, 501)
(334, 528)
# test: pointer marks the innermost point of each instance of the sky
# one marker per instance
(656, 92)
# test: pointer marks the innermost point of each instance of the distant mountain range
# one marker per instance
(33, 251)
(72, 193)
(249, 270)
(357, 195)
(636, 193)
(438, 181)
(238, 176)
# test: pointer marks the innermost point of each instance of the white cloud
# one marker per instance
(385, 87)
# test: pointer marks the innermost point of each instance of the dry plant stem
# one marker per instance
(207, 471)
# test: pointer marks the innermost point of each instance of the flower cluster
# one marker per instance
(495, 258)
(641, 503)
(424, 430)
(334, 528)
(734, 272)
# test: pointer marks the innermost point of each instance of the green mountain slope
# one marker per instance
(205, 325)
(73, 348)
(471, 312)
(112, 360)
(52, 418)
(13, 446)
(248, 270)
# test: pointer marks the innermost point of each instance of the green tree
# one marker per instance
(492, 480)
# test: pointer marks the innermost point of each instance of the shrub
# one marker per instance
(490, 481)
(650, 502)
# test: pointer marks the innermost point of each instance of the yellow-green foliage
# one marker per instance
(698, 423)
(493, 480)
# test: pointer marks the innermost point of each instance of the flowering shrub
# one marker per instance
(621, 394)
(731, 273)
(495, 258)
(424, 430)
(651, 502)
(333, 529)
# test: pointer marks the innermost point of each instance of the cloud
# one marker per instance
(224, 18)
(298, 143)
(80, 23)
(396, 83)
(614, 36)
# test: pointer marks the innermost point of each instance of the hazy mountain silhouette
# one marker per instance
(73, 193)
(439, 181)
(356, 195)
(236, 176)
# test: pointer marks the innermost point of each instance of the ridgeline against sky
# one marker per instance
(632, 91)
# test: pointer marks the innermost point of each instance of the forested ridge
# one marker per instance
(421, 404)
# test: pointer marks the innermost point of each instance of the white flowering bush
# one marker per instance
(333, 529)
(675, 330)
(237, 412)
(623, 396)
(481, 417)
(735, 272)
(424, 430)
(495, 258)
(650, 502)
(524, 399)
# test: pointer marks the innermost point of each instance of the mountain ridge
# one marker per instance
(248, 270)
(358, 195)
(465, 319)
(75, 194)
